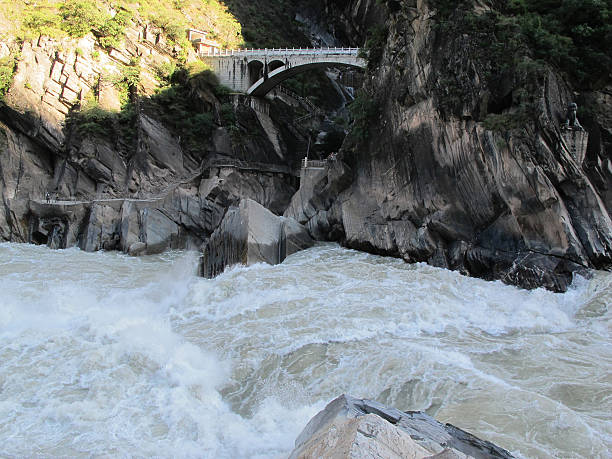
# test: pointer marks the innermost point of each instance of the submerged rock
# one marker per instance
(349, 428)
(250, 233)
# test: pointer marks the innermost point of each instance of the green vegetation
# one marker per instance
(269, 23)
(506, 121)
(374, 45)
(208, 15)
(365, 111)
(575, 35)
(184, 107)
(79, 17)
(93, 121)
(572, 35)
(107, 19)
(7, 70)
(128, 82)
(111, 31)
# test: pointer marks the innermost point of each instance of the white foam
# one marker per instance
(103, 354)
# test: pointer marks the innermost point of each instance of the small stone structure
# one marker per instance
(574, 139)
(203, 44)
(575, 142)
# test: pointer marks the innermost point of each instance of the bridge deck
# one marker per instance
(282, 52)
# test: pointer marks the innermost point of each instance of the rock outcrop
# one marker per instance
(248, 234)
(350, 427)
(131, 184)
(427, 179)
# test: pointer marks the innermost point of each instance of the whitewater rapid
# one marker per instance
(106, 355)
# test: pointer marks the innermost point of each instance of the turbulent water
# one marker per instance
(102, 354)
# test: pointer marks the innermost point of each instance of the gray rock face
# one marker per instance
(133, 184)
(252, 234)
(432, 184)
(350, 427)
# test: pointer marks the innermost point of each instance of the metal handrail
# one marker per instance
(313, 163)
(306, 103)
(280, 51)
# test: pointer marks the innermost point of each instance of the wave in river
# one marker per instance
(103, 354)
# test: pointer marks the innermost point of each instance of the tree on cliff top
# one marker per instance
(573, 35)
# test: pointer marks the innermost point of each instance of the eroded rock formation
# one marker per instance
(431, 181)
(249, 234)
(131, 184)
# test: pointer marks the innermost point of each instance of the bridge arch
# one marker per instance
(274, 77)
(256, 71)
(275, 64)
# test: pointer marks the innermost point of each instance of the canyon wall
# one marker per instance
(447, 166)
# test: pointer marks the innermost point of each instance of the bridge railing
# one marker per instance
(280, 52)
(306, 163)
(250, 165)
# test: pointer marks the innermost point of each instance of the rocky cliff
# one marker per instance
(457, 157)
(154, 171)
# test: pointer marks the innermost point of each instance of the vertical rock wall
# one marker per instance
(432, 183)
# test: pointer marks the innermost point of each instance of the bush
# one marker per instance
(375, 45)
(79, 17)
(164, 72)
(365, 111)
(41, 22)
(112, 30)
(181, 108)
(91, 120)
(228, 116)
(7, 70)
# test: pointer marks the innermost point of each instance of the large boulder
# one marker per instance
(250, 233)
(349, 428)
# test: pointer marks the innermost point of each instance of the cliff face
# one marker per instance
(427, 178)
(127, 178)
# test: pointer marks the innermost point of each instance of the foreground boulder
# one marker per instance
(353, 428)
(250, 234)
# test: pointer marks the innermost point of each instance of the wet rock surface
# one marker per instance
(248, 234)
(350, 427)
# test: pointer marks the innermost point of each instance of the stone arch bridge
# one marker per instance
(257, 71)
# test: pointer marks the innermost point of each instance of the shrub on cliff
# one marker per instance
(374, 45)
(7, 70)
(187, 105)
(365, 112)
(78, 17)
(572, 35)
(111, 31)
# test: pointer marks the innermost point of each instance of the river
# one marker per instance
(106, 355)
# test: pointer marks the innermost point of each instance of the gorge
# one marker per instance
(440, 216)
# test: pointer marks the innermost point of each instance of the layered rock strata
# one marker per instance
(137, 188)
